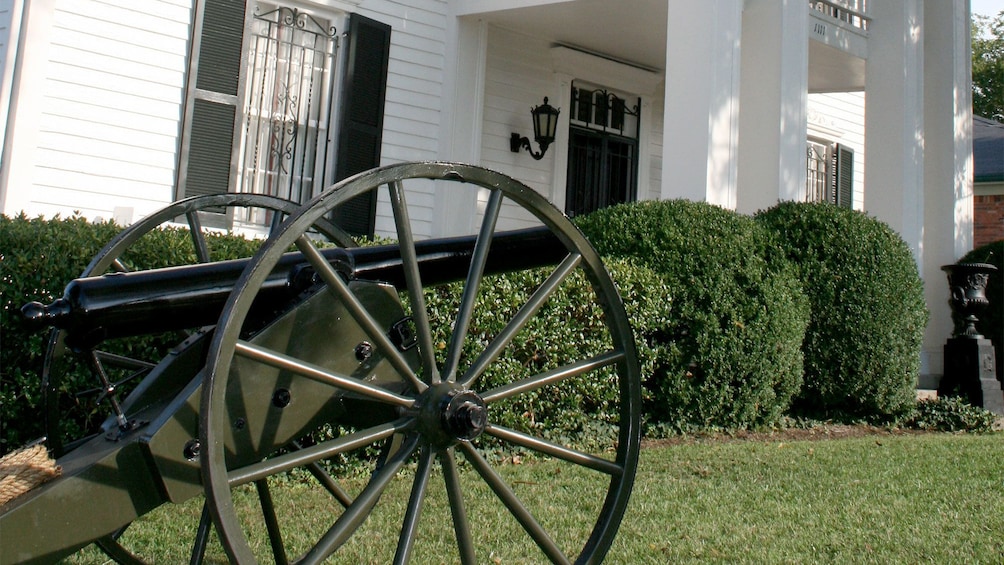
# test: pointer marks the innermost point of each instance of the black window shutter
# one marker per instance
(361, 122)
(211, 104)
(843, 178)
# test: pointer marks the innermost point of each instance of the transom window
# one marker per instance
(602, 150)
(603, 110)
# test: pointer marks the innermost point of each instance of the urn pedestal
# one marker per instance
(970, 369)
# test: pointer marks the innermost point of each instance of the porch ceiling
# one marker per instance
(833, 70)
(632, 31)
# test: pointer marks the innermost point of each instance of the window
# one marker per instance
(276, 93)
(830, 173)
(285, 147)
(602, 151)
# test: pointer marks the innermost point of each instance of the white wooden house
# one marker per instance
(114, 108)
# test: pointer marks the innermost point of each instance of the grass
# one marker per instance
(874, 499)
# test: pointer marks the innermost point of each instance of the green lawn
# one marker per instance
(927, 498)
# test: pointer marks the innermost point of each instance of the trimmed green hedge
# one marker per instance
(38, 257)
(725, 333)
(727, 312)
(991, 322)
(862, 346)
(569, 327)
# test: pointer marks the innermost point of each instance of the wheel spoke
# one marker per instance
(472, 284)
(419, 313)
(309, 370)
(358, 311)
(275, 222)
(271, 522)
(325, 479)
(461, 526)
(118, 266)
(359, 510)
(561, 452)
(406, 542)
(546, 289)
(201, 537)
(198, 238)
(514, 505)
(314, 453)
(552, 376)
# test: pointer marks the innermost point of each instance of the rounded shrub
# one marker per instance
(991, 323)
(862, 346)
(724, 331)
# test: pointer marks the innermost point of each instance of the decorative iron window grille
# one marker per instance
(605, 111)
(829, 173)
(817, 178)
(288, 105)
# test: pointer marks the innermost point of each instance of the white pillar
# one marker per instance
(773, 115)
(27, 83)
(462, 119)
(894, 120)
(947, 182)
(701, 103)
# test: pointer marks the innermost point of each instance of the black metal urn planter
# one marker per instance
(967, 283)
(969, 357)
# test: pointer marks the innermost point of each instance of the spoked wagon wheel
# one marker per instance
(115, 367)
(456, 387)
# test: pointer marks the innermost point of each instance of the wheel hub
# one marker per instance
(464, 415)
(449, 414)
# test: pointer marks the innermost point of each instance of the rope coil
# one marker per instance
(25, 469)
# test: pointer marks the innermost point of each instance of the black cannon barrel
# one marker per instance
(146, 302)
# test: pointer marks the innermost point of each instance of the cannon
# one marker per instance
(313, 349)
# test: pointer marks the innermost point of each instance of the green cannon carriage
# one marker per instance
(315, 348)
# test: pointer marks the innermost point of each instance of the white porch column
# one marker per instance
(773, 115)
(947, 182)
(24, 83)
(701, 103)
(894, 120)
(462, 119)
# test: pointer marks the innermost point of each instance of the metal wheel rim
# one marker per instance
(212, 411)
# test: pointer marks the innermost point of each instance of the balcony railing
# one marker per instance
(851, 12)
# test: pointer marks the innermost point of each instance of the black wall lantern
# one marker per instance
(545, 122)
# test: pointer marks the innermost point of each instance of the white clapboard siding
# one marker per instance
(518, 75)
(414, 92)
(111, 104)
(656, 116)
